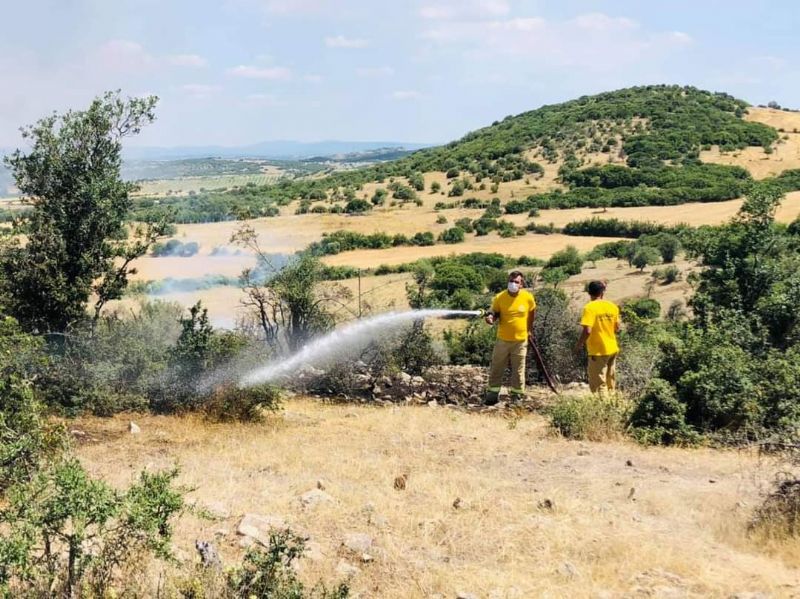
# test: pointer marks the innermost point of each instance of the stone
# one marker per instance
(366, 558)
(404, 377)
(216, 509)
(465, 595)
(346, 569)
(133, 428)
(258, 527)
(568, 570)
(321, 484)
(357, 542)
(400, 482)
(583, 452)
(315, 497)
(546, 504)
(208, 554)
(313, 551)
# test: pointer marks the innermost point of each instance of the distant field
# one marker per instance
(185, 185)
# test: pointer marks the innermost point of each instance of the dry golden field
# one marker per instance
(786, 154)
(625, 521)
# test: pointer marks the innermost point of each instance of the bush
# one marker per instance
(667, 275)
(471, 345)
(268, 572)
(174, 247)
(588, 417)
(357, 206)
(659, 418)
(644, 308)
(453, 235)
(231, 403)
(645, 256)
(568, 259)
(779, 515)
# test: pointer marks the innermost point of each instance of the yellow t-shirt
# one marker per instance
(514, 310)
(602, 316)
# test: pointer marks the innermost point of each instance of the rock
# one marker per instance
(583, 452)
(457, 503)
(208, 554)
(313, 551)
(465, 595)
(216, 509)
(315, 497)
(258, 527)
(321, 484)
(433, 404)
(133, 428)
(400, 482)
(346, 569)
(631, 494)
(629, 464)
(546, 504)
(568, 570)
(404, 378)
(366, 558)
(749, 595)
(247, 542)
(357, 542)
(222, 532)
(377, 521)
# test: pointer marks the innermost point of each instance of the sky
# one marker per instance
(234, 72)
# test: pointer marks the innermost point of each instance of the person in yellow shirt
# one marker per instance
(600, 322)
(514, 310)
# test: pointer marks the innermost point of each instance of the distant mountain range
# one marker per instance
(275, 150)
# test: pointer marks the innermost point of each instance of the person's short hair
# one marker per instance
(595, 288)
(516, 273)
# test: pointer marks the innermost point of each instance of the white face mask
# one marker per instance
(513, 287)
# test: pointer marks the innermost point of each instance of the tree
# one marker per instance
(357, 207)
(289, 303)
(77, 242)
(417, 181)
(453, 235)
(436, 187)
(645, 256)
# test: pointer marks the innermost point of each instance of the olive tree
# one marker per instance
(76, 240)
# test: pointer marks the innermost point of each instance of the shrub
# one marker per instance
(645, 256)
(357, 206)
(268, 572)
(645, 308)
(659, 418)
(441, 219)
(568, 259)
(667, 275)
(436, 187)
(379, 197)
(453, 235)
(588, 417)
(471, 345)
(231, 403)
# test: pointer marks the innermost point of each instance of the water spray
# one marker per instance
(336, 344)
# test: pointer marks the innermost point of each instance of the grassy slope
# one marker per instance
(670, 524)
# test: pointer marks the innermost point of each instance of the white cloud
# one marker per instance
(252, 72)
(465, 9)
(124, 55)
(597, 21)
(264, 100)
(295, 7)
(186, 60)
(340, 41)
(592, 41)
(200, 90)
(370, 72)
(406, 94)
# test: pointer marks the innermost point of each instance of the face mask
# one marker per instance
(513, 287)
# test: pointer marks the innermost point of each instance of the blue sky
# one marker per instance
(241, 71)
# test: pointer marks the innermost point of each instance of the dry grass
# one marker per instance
(671, 524)
(786, 154)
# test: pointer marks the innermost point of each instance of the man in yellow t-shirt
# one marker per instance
(600, 322)
(514, 310)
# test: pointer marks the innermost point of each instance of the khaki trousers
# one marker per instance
(603, 374)
(505, 354)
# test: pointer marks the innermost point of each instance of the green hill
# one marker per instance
(651, 138)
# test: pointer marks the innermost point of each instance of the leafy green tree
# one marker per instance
(645, 256)
(417, 181)
(76, 239)
(569, 259)
(453, 235)
(357, 207)
(379, 197)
